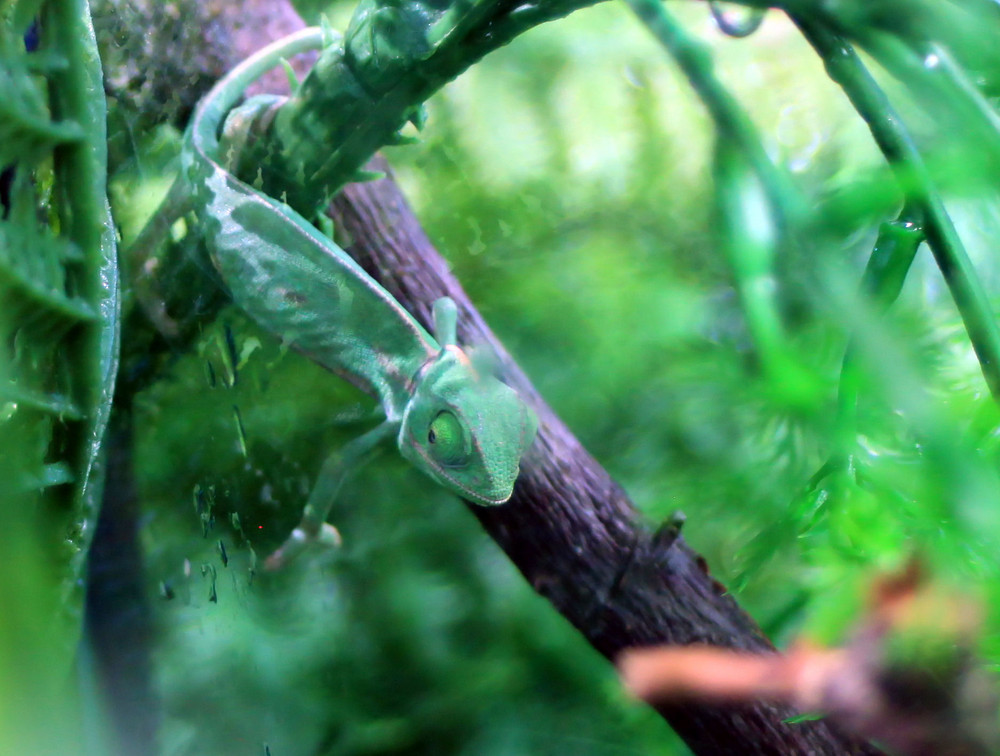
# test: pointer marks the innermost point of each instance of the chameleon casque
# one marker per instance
(461, 426)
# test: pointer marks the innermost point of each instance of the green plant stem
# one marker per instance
(77, 94)
(892, 138)
(883, 279)
(943, 89)
(731, 121)
(891, 258)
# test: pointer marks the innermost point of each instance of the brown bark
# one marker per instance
(571, 530)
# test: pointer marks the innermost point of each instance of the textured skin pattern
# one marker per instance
(297, 283)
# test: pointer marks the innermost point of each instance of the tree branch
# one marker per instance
(570, 529)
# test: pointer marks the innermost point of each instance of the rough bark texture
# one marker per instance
(570, 529)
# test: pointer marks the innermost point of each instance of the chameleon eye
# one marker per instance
(446, 439)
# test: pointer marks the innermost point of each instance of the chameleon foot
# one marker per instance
(302, 539)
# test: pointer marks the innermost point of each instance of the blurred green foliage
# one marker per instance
(573, 182)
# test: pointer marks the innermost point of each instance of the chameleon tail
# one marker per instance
(228, 91)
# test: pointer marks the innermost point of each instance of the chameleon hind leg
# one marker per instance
(313, 529)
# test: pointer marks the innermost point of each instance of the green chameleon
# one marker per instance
(461, 426)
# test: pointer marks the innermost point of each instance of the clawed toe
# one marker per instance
(300, 540)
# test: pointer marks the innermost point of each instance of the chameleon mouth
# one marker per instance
(441, 472)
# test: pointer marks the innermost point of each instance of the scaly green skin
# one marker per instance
(464, 429)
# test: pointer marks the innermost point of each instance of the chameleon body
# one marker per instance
(465, 429)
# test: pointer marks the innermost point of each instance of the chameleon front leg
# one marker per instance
(445, 314)
(313, 528)
(143, 257)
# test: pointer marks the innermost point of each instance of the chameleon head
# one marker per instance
(466, 430)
